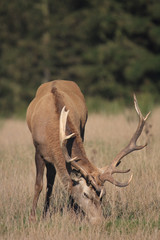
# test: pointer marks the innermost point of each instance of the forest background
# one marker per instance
(111, 48)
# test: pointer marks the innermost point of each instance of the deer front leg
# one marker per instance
(51, 173)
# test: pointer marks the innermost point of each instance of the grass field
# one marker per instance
(131, 213)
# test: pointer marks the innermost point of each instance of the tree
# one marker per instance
(110, 48)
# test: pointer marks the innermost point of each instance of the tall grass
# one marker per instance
(130, 213)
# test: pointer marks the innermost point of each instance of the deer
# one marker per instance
(56, 118)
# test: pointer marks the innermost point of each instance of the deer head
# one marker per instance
(88, 188)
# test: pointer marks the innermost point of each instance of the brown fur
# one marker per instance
(43, 121)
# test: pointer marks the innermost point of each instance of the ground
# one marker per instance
(130, 213)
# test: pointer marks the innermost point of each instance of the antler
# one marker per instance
(132, 146)
(63, 142)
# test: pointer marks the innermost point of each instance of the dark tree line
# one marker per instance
(109, 47)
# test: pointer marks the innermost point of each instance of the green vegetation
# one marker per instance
(110, 48)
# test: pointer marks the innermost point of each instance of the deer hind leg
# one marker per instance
(38, 183)
(51, 173)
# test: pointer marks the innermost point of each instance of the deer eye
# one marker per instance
(85, 195)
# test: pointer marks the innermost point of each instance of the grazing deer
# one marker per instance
(56, 118)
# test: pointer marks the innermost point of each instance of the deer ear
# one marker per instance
(75, 175)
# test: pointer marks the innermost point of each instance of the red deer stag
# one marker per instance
(56, 118)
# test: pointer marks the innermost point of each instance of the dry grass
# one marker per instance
(131, 213)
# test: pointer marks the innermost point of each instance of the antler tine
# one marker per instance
(138, 109)
(117, 183)
(63, 122)
(63, 136)
(132, 146)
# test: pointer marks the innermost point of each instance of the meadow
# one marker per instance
(130, 213)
